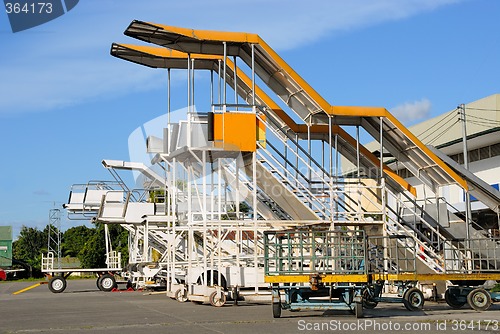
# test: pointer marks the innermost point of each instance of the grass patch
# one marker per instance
(32, 279)
(40, 279)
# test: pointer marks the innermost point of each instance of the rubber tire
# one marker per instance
(358, 310)
(217, 302)
(98, 282)
(368, 304)
(411, 297)
(276, 310)
(181, 297)
(107, 283)
(57, 284)
(451, 300)
(479, 295)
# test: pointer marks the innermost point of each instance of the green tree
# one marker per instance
(93, 252)
(85, 243)
(30, 245)
(74, 239)
(119, 240)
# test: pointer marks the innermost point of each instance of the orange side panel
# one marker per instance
(261, 130)
(235, 131)
(218, 129)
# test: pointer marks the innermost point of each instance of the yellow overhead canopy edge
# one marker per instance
(221, 36)
(382, 112)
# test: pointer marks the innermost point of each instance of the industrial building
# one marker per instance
(446, 132)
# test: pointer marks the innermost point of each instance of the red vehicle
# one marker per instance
(3, 275)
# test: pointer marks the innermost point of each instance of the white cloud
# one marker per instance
(66, 61)
(41, 192)
(412, 111)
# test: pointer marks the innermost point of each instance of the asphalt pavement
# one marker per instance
(84, 309)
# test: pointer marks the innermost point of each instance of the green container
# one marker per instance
(5, 246)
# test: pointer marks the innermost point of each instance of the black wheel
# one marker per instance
(57, 284)
(413, 299)
(452, 301)
(107, 282)
(276, 310)
(479, 299)
(367, 302)
(98, 282)
(468, 282)
(181, 295)
(217, 299)
(358, 310)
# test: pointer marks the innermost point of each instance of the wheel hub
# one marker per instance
(57, 285)
(107, 283)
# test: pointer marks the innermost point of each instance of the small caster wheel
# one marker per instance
(358, 310)
(181, 295)
(217, 299)
(107, 282)
(57, 284)
(413, 299)
(452, 300)
(276, 310)
(479, 299)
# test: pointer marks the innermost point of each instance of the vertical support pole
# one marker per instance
(359, 209)
(169, 140)
(219, 191)
(172, 245)
(438, 200)
(219, 252)
(106, 241)
(204, 186)
(309, 151)
(253, 74)
(322, 171)
(381, 147)
(254, 204)
(146, 241)
(337, 177)
(468, 211)
(211, 87)
(174, 186)
(357, 153)
(168, 199)
(330, 170)
(225, 67)
(285, 172)
(212, 190)
(381, 173)
(204, 209)
(189, 100)
(219, 90)
(297, 156)
(191, 253)
(192, 85)
(237, 204)
(235, 83)
(383, 195)
(330, 145)
(189, 194)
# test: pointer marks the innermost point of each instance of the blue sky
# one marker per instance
(66, 104)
